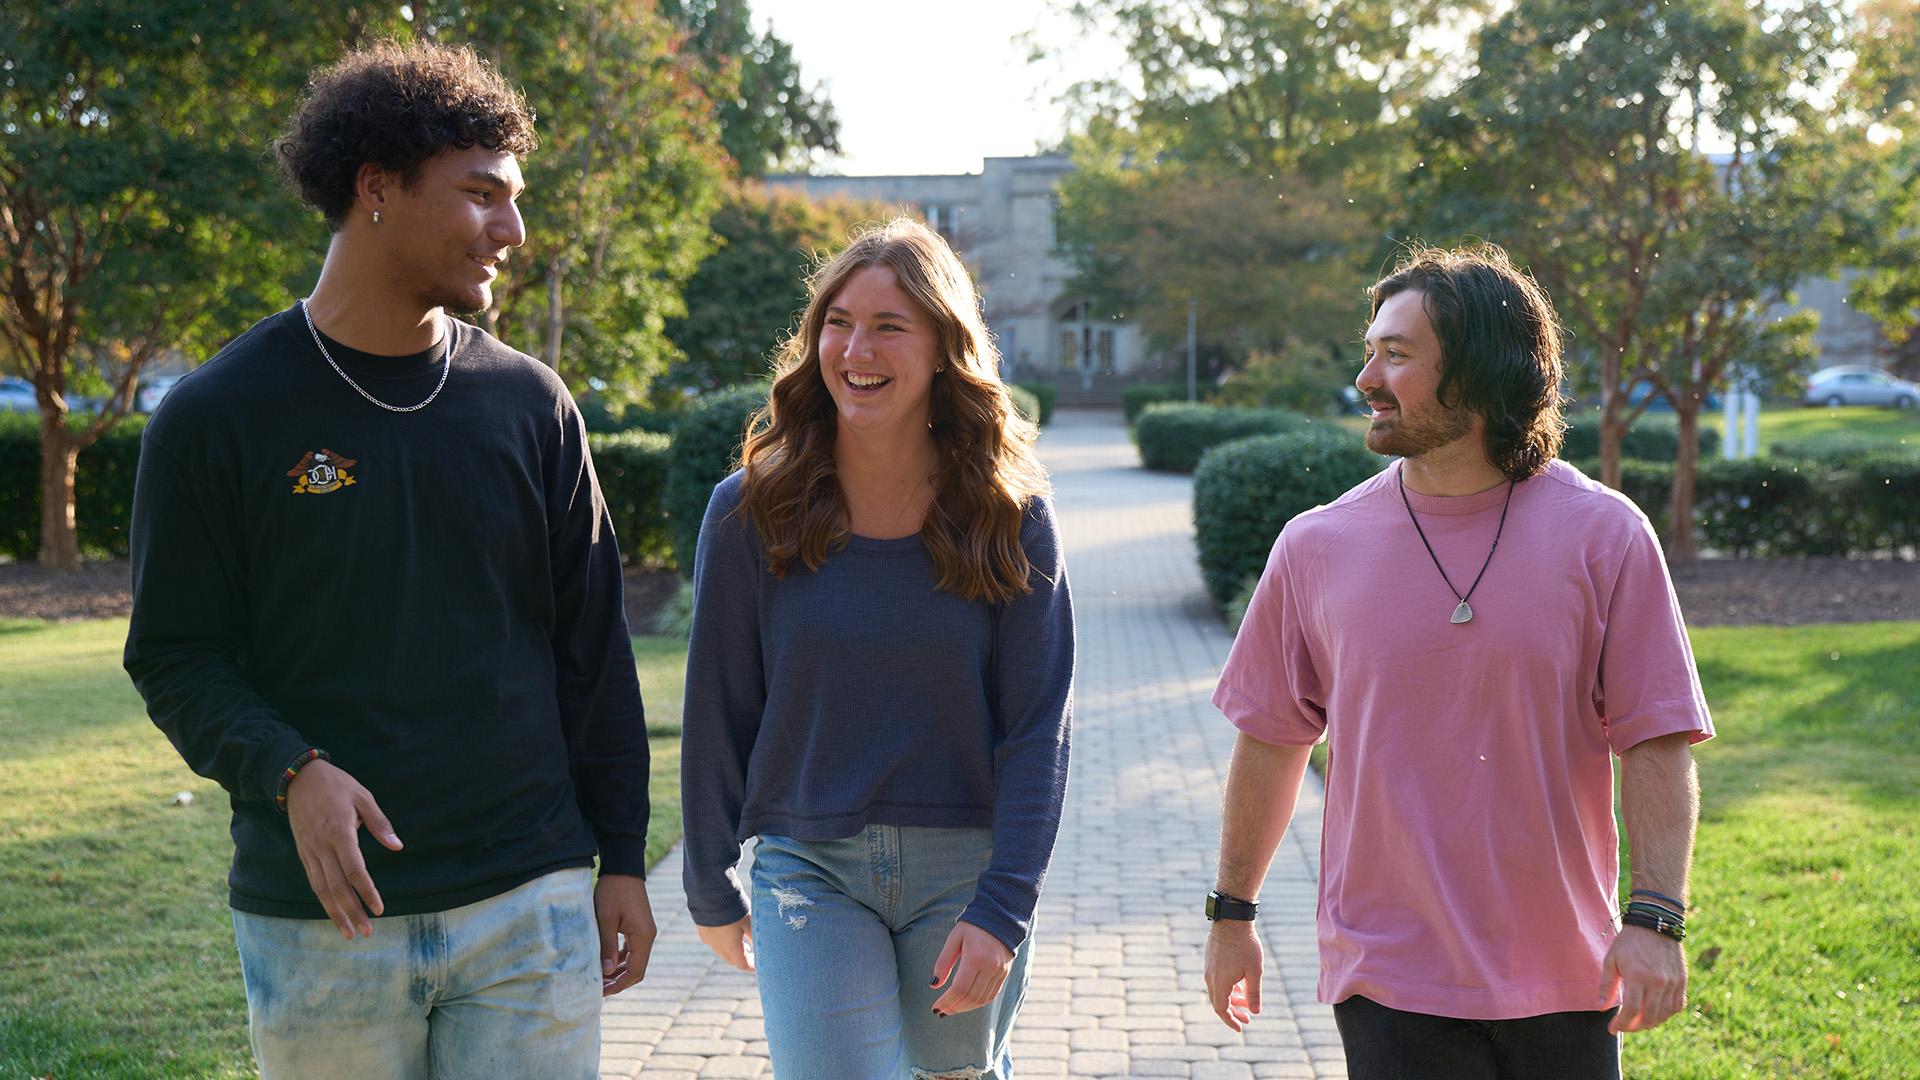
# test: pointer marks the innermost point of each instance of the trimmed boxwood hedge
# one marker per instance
(1026, 403)
(1044, 393)
(103, 487)
(1778, 506)
(1173, 435)
(1245, 490)
(1653, 437)
(632, 467)
(706, 447)
(1135, 399)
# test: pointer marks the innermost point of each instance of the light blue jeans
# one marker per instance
(846, 933)
(507, 987)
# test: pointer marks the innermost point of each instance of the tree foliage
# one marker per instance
(1577, 144)
(618, 194)
(1239, 161)
(771, 119)
(138, 211)
(746, 295)
(1884, 89)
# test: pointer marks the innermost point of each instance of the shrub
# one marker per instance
(1135, 399)
(706, 447)
(1025, 402)
(1244, 491)
(1173, 435)
(1653, 437)
(632, 467)
(1764, 506)
(1044, 392)
(1648, 483)
(102, 487)
(1305, 379)
(1882, 491)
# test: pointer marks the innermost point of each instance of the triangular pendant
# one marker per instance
(1463, 613)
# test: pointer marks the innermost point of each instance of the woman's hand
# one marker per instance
(732, 942)
(974, 966)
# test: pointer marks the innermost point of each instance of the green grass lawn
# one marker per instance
(116, 950)
(1847, 425)
(1805, 943)
(118, 954)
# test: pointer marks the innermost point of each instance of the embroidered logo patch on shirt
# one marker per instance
(320, 472)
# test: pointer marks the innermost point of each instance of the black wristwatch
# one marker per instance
(1222, 906)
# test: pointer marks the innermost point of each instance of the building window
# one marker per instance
(1069, 349)
(944, 220)
(1103, 353)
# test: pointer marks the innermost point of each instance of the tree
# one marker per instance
(1272, 267)
(136, 210)
(1238, 161)
(618, 195)
(772, 120)
(1576, 144)
(746, 294)
(1884, 88)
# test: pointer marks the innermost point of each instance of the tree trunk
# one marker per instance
(1611, 427)
(556, 311)
(1686, 465)
(1612, 430)
(59, 530)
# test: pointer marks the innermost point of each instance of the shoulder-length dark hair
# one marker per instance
(986, 472)
(1500, 347)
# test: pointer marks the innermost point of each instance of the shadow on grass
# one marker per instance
(1824, 713)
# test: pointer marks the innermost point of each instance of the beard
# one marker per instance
(1410, 436)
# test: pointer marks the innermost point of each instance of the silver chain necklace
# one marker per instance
(445, 367)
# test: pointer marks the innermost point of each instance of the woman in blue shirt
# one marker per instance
(878, 682)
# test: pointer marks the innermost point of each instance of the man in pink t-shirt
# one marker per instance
(1477, 631)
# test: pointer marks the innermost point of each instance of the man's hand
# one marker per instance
(326, 808)
(732, 942)
(626, 930)
(1235, 960)
(1650, 970)
(974, 966)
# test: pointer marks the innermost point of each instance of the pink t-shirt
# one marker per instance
(1468, 857)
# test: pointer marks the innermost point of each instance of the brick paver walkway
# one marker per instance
(1117, 986)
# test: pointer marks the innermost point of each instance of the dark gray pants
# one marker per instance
(1388, 1044)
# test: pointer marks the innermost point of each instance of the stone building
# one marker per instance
(1001, 221)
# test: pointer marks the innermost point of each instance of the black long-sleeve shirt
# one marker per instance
(434, 598)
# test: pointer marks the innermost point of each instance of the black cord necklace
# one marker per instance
(1463, 613)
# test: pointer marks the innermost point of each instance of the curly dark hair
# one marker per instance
(1500, 347)
(396, 106)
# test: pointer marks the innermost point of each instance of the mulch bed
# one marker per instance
(1713, 592)
(100, 590)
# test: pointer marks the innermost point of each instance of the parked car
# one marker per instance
(16, 395)
(1854, 384)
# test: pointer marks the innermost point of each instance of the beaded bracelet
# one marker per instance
(310, 754)
(1658, 924)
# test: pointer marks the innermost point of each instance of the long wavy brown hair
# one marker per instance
(985, 473)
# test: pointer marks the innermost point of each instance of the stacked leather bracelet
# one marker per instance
(1654, 911)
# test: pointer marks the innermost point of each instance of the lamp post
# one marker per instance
(1193, 371)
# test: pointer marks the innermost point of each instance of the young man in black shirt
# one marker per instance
(375, 586)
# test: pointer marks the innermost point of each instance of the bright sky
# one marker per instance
(932, 86)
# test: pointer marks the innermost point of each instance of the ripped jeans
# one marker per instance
(845, 936)
(505, 987)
